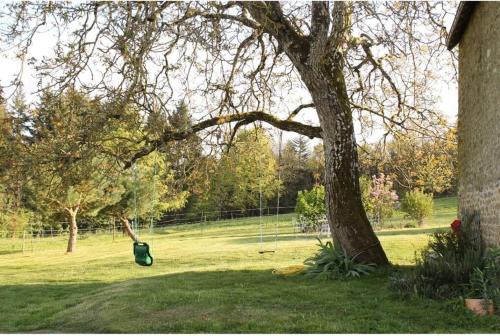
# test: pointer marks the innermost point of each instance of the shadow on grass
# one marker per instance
(249, 239)
(228, 301)
(408, 231)
(10, 252)
(255, 238)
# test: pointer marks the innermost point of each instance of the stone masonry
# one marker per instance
(479, 118)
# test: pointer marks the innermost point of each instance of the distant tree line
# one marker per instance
(62, 164)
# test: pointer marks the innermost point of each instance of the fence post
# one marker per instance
(113, 228)
(24, 237)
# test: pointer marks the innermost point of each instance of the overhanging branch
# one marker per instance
(244, 118)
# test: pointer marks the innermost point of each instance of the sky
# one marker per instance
(10, 66)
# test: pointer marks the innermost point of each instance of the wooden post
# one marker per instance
(113, 228)
(24, 237)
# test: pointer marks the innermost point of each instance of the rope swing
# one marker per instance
(141, 249)
(262, 250)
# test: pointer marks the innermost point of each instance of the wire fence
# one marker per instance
(53, 228)
(37, 239)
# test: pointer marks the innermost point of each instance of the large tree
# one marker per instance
(247, 61)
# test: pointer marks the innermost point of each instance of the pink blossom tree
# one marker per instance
(383, 198)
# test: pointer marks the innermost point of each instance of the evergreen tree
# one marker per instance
(296, 171)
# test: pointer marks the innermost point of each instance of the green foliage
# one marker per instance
(72, 173)
(299, 168)
(317, 163)
(417, 205)
(12, 223)
(412, 162)
(479, 285)
(333, 263)
(311, 205)
(444, 268)
(365, 185)
(485, 281)
(247, 168)
(145, 191)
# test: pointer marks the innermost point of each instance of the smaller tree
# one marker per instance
(417, 205)
(72, 173)
(144, 192)
(383, 198)
(311, 205)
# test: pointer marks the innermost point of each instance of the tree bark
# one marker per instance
(73, 230)
(128, 229)
(345, 212)
(319, 59)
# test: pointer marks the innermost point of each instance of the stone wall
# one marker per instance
(479, 119)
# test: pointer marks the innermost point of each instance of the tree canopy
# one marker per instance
(241, 62)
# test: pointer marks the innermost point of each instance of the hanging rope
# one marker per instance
(153, 201)
(260, 202)
(135, 180)
(262, 250)
(141, 250)
(280, 140)
(153, 196)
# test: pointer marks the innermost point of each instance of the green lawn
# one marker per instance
(211, 278)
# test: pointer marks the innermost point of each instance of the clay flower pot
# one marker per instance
(480, 307)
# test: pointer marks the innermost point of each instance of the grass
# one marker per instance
(212, 279)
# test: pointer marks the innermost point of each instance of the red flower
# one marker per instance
(455, 226)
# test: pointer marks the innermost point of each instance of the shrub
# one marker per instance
(417, 205)
(333, 263)
(382, 198)
(311, 205)
(444, 268)
(485, 282)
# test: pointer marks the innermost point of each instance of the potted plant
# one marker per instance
(479, 301)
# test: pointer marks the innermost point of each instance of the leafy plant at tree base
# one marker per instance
(479, 285)
(445, 267)
(333, 263)
(311, 205)
(485, 282)
(417, 205)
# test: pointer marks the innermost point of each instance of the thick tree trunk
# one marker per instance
(128, 229)
(319, 58)
(346, 215)
(73, 230)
